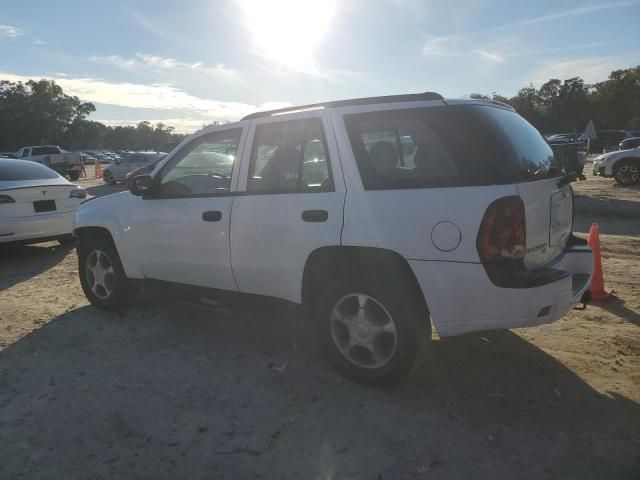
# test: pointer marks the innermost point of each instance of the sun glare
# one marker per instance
(287, 32)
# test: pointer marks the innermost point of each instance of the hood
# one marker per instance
(633, 152)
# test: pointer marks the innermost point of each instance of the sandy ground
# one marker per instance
(166, 390)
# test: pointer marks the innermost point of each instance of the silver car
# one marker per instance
(117, 171)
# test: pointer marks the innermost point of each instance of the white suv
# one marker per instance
(380, 216)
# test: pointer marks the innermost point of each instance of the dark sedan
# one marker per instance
(146, 170)
(629, 143)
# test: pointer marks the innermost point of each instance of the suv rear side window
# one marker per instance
(290, 157)
(448, 146)
(422, 147)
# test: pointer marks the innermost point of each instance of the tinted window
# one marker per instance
(424, 147)
(45, 151)
(203, 166)
(523, 147)
(290, 157)
(24, 170)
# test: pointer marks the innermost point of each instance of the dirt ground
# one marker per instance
(166, 390)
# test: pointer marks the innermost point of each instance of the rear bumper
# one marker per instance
(40, 226)
(462, 299)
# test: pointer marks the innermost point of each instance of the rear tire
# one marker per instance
(108, 178)
(102, 277)
(380, 349)
(74, 175)
(626, 172)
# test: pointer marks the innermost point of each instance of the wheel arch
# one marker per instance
(377, 264)
(627, 159)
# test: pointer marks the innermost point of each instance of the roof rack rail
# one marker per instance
(411, 97)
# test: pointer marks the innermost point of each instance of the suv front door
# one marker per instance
(290, 203)
(180, 233)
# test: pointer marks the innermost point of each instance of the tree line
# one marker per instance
(39, 112)
(567, 106)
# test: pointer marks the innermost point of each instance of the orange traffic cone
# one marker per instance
(598, 292)
(98, 170)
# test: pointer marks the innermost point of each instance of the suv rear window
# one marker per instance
(447, 146)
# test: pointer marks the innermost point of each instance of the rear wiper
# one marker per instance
(567, 179)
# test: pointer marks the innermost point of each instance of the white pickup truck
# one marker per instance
(65, 163)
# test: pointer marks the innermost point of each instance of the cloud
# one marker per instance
(573, 12)
(590, 69)
(483, 42)
(144, 61)
(9, 31)
(494, 57)
(154, 96)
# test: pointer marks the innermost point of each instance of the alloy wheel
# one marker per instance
(628, 174)
(99, 274)
(363, 330)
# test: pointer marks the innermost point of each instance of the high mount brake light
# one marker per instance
(502, 234)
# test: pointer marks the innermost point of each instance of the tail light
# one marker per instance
(502, 234)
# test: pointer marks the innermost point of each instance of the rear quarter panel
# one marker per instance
(408, 221)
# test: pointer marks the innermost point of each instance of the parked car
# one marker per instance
(65, 163)
(318, 206)
(629, 143)
(36, 203)
(88, 159)
(117, 171)
(565, 138)
(622, 165)
(146, 170)
(608, 140)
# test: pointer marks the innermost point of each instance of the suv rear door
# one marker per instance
(548, 207)
(290, 203)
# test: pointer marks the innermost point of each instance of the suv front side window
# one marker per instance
(290, 157)
(202, 167)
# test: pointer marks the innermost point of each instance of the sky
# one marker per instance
(191, 62)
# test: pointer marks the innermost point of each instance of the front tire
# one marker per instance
(371, 334)
(626, 172)
(102, 277)
(108, 178)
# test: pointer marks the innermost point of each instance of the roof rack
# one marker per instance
(412, 97)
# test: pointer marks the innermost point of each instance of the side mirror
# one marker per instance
(141, 185)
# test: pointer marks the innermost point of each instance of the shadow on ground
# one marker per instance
(617, 307)
(168, 391)
(591, 206)
(39, 257)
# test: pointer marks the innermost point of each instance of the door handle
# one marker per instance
(212, 216)
(315, 215)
